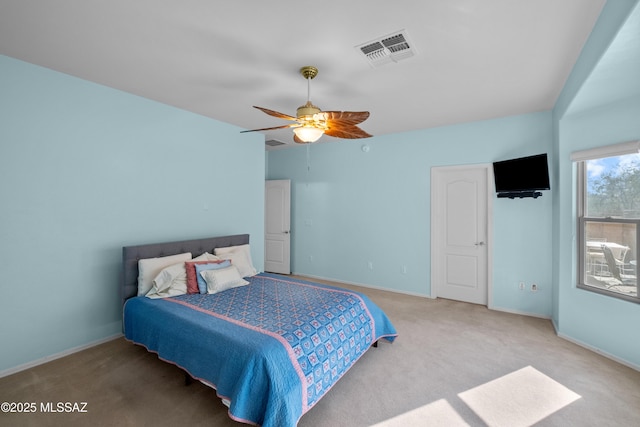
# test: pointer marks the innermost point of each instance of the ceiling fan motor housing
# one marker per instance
(307, 109)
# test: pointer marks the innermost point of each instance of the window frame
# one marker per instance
(580, 158)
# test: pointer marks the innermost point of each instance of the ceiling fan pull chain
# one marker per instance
(308, 158)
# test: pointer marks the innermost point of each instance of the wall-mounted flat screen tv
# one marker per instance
(522, 175)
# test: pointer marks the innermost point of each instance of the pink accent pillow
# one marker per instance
(192, 280)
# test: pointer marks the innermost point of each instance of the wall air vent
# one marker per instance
(391, 48)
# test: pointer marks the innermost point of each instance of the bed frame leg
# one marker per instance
(188, 379)
(375, 344)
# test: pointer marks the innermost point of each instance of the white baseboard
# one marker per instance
(49, 358)
(506, 310)
(338, 281)
(521, 313)
(598, 350)
(594, 349)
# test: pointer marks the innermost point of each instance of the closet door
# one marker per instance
(277, 245)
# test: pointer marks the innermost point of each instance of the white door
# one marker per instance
(277, 245)
(459, 229)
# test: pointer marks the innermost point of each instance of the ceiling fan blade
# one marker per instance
(276, 113)
(346, 117)
(271, 128)
(345, 131)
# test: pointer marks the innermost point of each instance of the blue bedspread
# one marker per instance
(273, 348)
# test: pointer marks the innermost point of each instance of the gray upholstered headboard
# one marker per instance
(131, 255)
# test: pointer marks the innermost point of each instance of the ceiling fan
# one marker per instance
(311, 123)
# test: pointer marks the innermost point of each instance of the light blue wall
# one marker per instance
(85, 170)
(352, 207)
(597, 321)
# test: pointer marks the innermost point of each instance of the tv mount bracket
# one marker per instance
(520, 194)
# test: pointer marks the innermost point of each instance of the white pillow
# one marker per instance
(171, 281)
(240, 256)
(222, 279)
(206, 257)
(149, 268)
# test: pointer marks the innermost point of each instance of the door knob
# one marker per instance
(479, 244)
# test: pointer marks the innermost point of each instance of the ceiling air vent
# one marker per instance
(391, 48)
(274, 143)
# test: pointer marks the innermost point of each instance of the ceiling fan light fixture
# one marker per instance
(308, 133)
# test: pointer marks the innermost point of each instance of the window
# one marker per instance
(609, 220)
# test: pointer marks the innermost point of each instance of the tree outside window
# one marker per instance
(613, 187)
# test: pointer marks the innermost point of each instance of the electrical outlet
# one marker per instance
(521, 286)
(534, 287)
(404, 269)
(310, 258)
(370, 265)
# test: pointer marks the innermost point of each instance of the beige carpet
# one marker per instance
(454, 364)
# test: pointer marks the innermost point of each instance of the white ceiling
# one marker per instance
(474, 59)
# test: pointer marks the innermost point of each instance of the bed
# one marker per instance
(271, 346)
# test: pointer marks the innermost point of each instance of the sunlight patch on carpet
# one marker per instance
(521, 398)
(438, 414)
